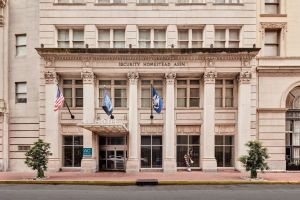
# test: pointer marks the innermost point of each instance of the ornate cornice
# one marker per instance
(170, 78)
(3, 3)
(88, 77)
(244, 77)
(133, 77)
(210, 77)
(51, 77)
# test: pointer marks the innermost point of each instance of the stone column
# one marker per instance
(169, 163)
(208, 127)
(244, 116)
(132, 164)
(88, 163)
(52, 134)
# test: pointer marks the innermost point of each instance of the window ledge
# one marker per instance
(189, 4)
(69, 4)
(152, 4)
(110, 4)
(273, 15)
(228, 4)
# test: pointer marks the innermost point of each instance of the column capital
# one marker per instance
(88, 77)
(133, 77)
(51, 77)
(170, 77)
(244, 77)
(3, 3)
(210, 76)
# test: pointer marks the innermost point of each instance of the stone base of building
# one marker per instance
(132, 166)
(54, 165)
(209, 165)
(169, 166)
(88, 165)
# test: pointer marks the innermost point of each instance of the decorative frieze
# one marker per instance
(51, 77)
(133, 77)
(210, 77)
(170, 78)
(224, 129)
(244, 77)
(152, 130)
(3, 3)
(88, 77)
(187, 129)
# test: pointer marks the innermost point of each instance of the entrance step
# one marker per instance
(143, 182)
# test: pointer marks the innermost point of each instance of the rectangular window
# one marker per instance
(104, 38)
(151, 151)
(272, 7)
(159, 38)
(111, 38)
(72, 151)
(73, 92)
(188, 93)
(152, 38)
(184, 144)
(21, 41)
(227, 37)
(119, 38)
(21, 92)
(224, 150)
(272, 44)
(190, 38)
(116, 90)
(67, 38)
(144, 38)
(224, 93)
(146, 97)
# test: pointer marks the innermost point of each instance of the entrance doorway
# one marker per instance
(112, 153)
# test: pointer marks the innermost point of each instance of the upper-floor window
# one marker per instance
(152, 38)
(21, 41)
(151, 1)
(110, 1)
(70, 38)
(69, 1)
(111, 38)
(272, 43)
(224, 93)
(228, 1)
(73, 92)
(21, 92)
(190, 38)
(188, 93)
(116, 90)
(227, 37)
(272, 6)
(146, 97)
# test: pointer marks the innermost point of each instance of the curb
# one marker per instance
(163, 182)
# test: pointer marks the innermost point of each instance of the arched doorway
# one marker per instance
(293, 130)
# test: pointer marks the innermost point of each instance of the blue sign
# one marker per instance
(87, 151)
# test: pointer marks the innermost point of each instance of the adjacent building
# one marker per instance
(215, 63)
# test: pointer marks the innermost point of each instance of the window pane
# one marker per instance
(181, 92)
(63, 35)
(220, 34)
(181, 102)
(194, 92)
(229, 156)
(78, 35)
(195, 156)
(158, 82)
(156, 156)
(272, 8)
(159, 35)
(194, 139)
(219, 156)
(77, 156)
(67, 82)
(104, 35)
(146, 82)
(21, 88)
(182, 139)
(156, 140)
(219, 140)
(146, 140)
(181, 151)
(119, 35)
(196, 34)
(234, 34)
(21, 40)
(104, 82)
(194, 102)
(220, 1)
(271, 50)
(120, 82)
(219, 96)
(78, 140)
(68, 156)
(120, 93)
(271, 37)
(183, 34)
(194, 82)
(144, 34)
(79, 92)
(146, 93)
(21, 51)
(68, 140)
(228, 140)
(145, 157)
(182, 44)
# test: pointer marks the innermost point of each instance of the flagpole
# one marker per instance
(65, 102)
(151, 104)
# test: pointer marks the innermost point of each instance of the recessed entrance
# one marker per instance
(112, 153)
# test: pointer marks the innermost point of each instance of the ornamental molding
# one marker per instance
(210, 76)
(188, 129)
(51, 77)
(88, 77)
(208, 59)
(49, 61)
(133, 77)
(152, 129)
(3, 3)
(225, 129)
(170, 78)
(244, 77)
(273, 25)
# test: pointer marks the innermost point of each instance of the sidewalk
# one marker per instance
(181, 176)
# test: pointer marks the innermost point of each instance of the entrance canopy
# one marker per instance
(106, 127)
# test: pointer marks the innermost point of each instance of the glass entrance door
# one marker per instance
(292, 152)
(112, 153)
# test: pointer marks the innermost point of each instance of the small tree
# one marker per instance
(256, 158)
(37, 157)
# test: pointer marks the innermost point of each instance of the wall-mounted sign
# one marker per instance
(87, 151)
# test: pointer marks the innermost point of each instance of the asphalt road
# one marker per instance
(75, 192)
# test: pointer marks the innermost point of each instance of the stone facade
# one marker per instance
(254, 87)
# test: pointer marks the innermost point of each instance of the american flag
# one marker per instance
(59, 101)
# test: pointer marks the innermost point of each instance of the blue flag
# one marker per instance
(156, 101)
(106, 104)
